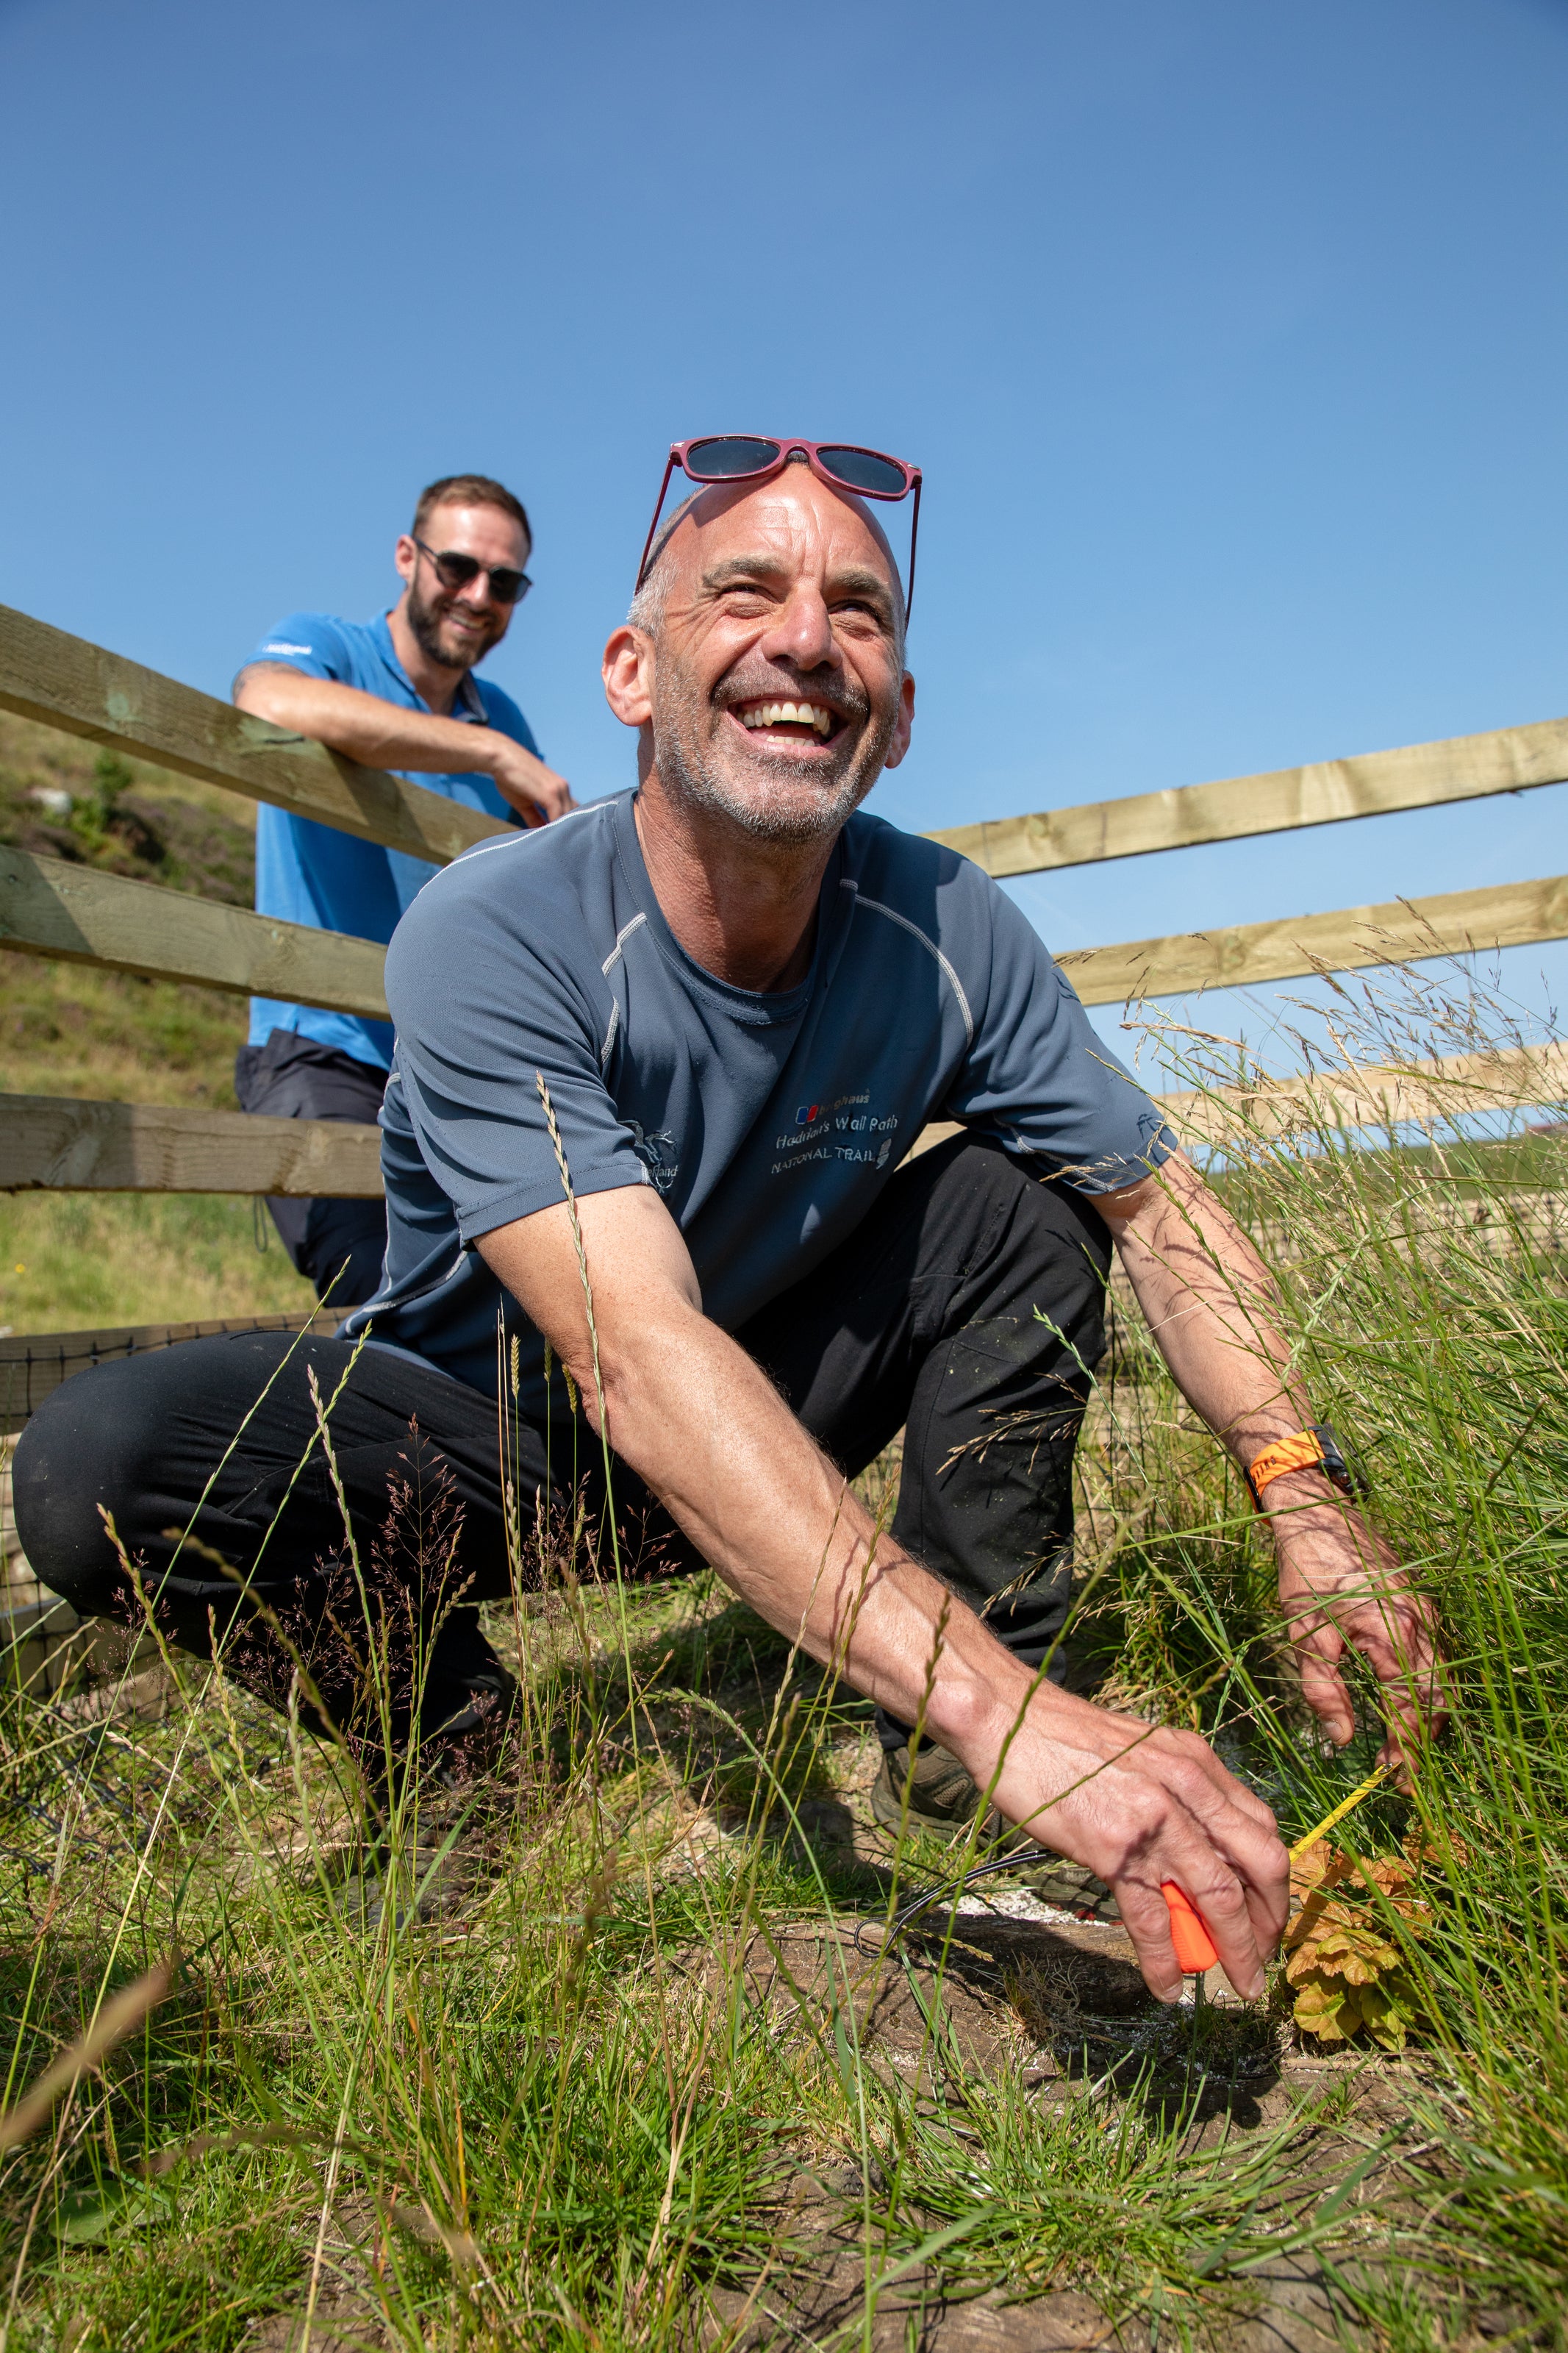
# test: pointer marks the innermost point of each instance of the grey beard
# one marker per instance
(797, 815)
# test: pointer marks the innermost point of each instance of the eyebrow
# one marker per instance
(855, 579)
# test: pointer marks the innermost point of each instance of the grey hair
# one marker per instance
(646, 611)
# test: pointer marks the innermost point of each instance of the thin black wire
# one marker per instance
(1023, 1859)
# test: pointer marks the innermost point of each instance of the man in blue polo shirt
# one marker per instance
(397, 693)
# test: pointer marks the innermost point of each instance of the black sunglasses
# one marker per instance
(505, 584)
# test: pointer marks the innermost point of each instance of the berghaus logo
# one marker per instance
(805, 1114)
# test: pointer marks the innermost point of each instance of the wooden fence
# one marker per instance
(51, 908)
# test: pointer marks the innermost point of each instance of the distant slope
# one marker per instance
(70, 1259)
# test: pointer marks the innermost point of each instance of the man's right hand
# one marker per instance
(1140, 1805)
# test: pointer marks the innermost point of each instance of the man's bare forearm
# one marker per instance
(359, 725)
(1212, 1309)
(689, 1411)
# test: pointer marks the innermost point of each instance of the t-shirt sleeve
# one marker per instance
(482, 1008)
(310, 642)
(1038, 1077)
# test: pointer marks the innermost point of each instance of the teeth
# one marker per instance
(799, 714)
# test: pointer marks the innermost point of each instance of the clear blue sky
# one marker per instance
(1230, 337)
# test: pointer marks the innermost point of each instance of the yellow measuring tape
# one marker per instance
(1346, 1806)
(1189, 1931)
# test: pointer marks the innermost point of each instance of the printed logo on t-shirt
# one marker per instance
(841, 1130)
(658, 1154)
(278, 646)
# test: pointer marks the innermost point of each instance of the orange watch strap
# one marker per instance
(1302, 1451)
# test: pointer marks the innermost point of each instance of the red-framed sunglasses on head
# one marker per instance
(753, 456)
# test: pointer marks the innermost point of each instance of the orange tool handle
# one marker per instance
(1195, 1946)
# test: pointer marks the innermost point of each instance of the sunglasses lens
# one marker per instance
(862, 470)
(456, 571)
(508, 587)
(728, 456)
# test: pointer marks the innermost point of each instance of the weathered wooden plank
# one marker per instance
(34, 1364)
(63, 682)
(1368, 1094)
(52, 909)
(1508, 915)
(1418, 775)
(50, 1143)
(1375, 1095)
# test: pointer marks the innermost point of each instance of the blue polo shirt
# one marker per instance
(767, 1125)
(310, 873)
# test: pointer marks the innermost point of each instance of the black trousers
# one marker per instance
(967, 1310)
(337, 1245)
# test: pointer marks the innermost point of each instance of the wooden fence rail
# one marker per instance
(63, 682)
(64, 1144)
(46, 1141)
(51, 908)
(1418, 775)
(1404, 930)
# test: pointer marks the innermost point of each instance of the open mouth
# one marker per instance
(797, 722)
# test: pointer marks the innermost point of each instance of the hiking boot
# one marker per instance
(943, 1800)
(940, 1799)
(437, 1863)
(1071, 1888)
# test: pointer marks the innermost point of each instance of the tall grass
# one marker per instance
(615, 2088)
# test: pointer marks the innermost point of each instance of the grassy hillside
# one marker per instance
(645, 2082)
(73, 1260)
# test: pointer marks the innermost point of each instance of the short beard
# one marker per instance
(782, 812)
(425, 618)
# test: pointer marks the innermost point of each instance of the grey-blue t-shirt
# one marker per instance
(768, 1124)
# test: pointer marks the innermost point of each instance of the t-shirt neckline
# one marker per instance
(758, 1005)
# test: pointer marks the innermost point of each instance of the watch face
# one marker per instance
(1336, 1465)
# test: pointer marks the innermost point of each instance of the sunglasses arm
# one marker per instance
(670, 464)
(914, 534)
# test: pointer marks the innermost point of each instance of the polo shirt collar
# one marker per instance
(468, 695)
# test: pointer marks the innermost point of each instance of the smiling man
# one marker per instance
(727, 1003)
(396, 692)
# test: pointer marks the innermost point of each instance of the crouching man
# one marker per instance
(737, 1002)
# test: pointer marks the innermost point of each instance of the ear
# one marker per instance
(406, 556)
(903, 725)
(627, 673)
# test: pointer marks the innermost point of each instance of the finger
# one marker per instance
(1319, 1650)
(1147, 1920)
(1405, 1659)
(1218, 1896)
(1234, 1849)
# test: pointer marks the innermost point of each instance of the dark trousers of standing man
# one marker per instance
(337, 1245)
(967, 1310)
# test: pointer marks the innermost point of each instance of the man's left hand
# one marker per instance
(1341, 1586)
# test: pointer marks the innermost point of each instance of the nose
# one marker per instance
(802, 634)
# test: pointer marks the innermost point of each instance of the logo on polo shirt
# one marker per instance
(807, 1113)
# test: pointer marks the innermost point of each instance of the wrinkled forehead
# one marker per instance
(793, 521)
